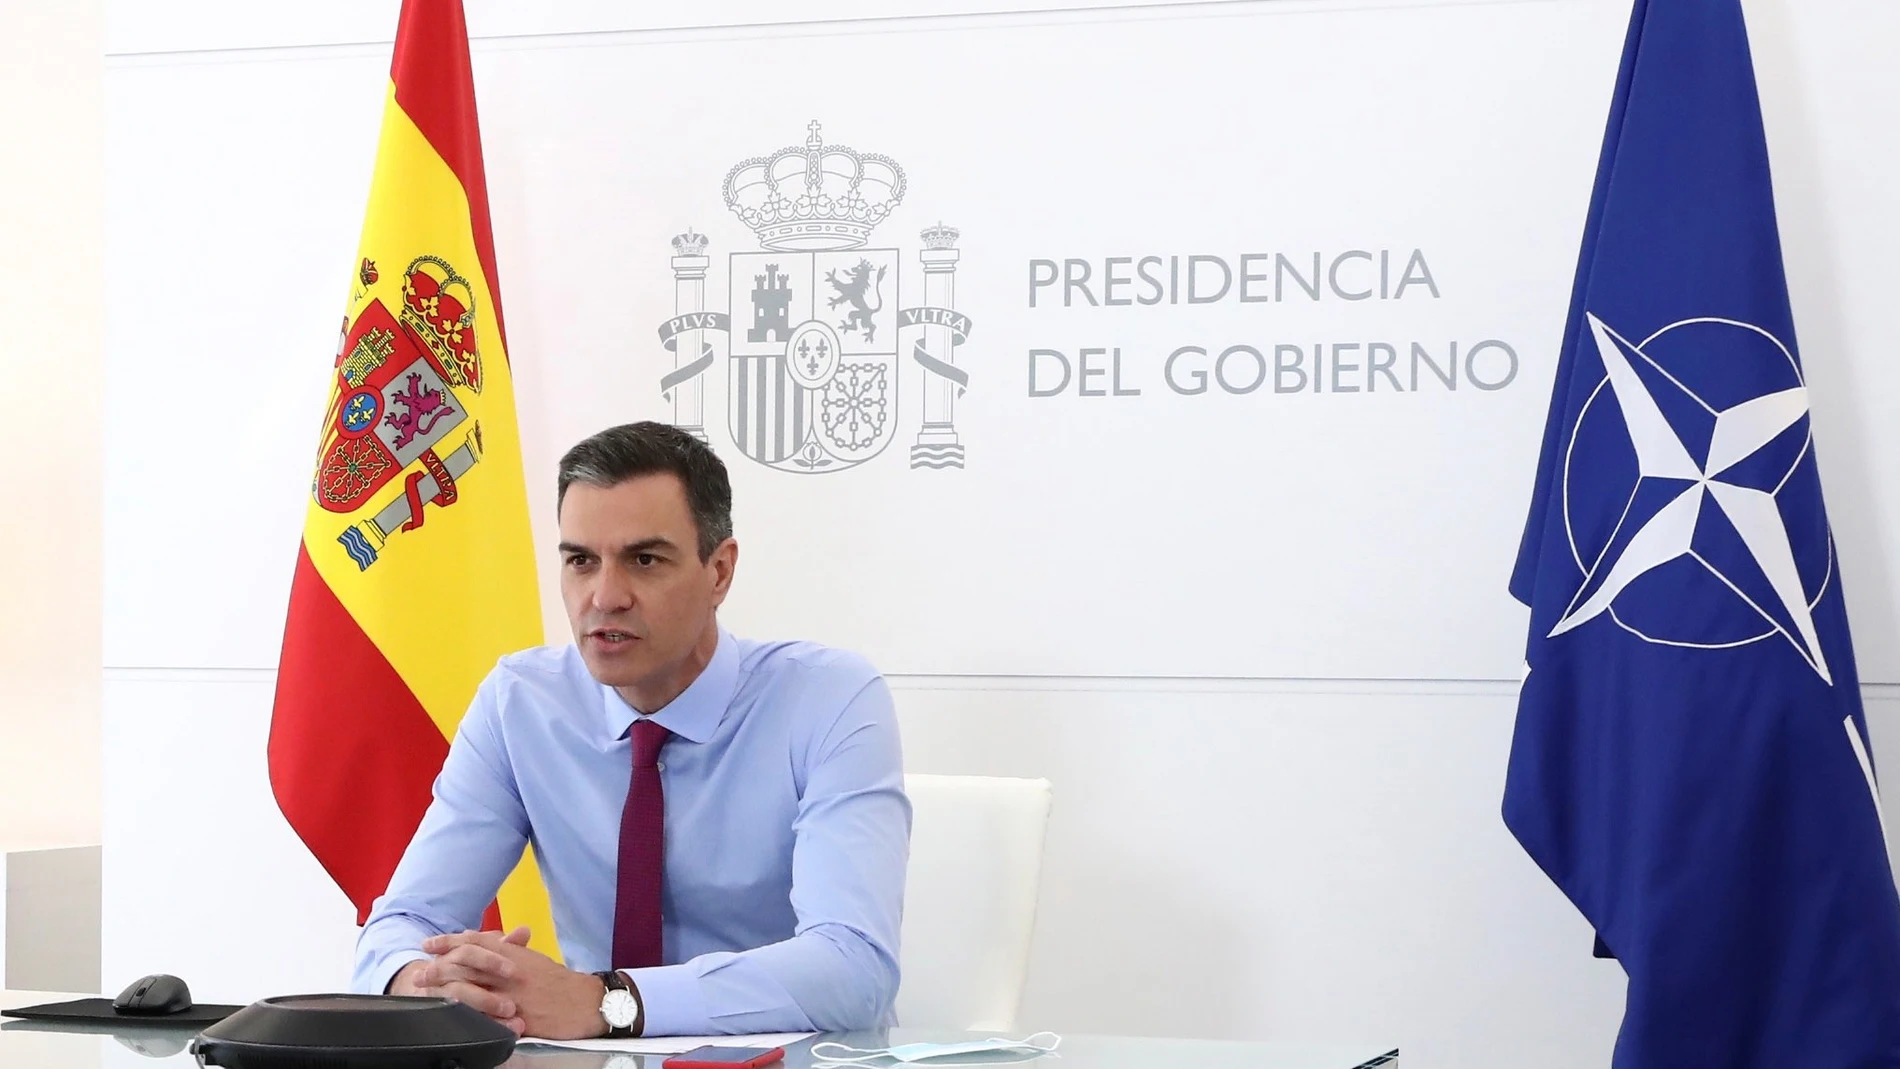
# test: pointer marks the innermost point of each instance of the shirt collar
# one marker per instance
(698, 710)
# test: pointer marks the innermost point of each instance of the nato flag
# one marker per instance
(1690, 763)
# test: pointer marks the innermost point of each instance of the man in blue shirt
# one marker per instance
(721, 824)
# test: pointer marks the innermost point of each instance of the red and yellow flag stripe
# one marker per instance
(416, 570)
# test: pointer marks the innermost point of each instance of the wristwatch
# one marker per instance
(619, 1006)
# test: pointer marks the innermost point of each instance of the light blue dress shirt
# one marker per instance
(787, 835)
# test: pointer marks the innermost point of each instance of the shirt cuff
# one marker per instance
(670, 997)
(379, 977)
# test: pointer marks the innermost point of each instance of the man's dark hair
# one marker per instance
(634, 449)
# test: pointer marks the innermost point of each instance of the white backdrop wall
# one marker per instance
(51, 187)
(1258, 638)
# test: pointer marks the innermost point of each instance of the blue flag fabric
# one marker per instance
(1690, 763)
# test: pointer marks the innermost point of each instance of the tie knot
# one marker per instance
(648, 737)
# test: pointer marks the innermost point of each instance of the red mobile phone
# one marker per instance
(725, 1058)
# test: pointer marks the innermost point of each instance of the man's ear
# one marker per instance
(724, 563)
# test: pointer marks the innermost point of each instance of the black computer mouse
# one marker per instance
(154, 996)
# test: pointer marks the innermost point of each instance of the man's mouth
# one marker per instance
(611, 637)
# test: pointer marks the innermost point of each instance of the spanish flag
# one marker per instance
(416, 570)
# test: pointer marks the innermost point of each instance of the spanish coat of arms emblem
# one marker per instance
(397, 409)
(816, 342)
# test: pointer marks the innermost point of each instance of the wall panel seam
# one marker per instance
(1029, 17)
(1883, 692)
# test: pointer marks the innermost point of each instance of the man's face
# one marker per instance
(638, 597)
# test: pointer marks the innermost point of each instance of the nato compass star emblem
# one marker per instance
(1721, 540)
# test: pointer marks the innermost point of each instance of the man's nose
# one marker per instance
(613, 591)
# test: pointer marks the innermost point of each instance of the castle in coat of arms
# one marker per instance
(817, 338)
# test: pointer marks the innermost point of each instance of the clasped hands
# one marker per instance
(497, 974)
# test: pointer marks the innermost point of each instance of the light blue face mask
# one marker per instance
(839, 1054)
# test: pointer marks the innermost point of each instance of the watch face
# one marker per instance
(619, 1009)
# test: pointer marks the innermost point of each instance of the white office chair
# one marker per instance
(970, 899)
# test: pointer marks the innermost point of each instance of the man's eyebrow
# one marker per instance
(645, 545)
(569, 547)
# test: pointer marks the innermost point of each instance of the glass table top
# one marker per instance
(46, 1045)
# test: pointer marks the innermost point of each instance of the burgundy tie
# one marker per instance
(642, 852)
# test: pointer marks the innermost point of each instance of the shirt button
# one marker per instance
(659, 766)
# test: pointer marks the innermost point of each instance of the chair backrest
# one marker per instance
(970, 899)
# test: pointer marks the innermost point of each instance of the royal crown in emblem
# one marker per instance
(940, 236)
(814, 197)
(439, 305)
(689, 244)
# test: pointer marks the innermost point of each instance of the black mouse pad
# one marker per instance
(100, 1010)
